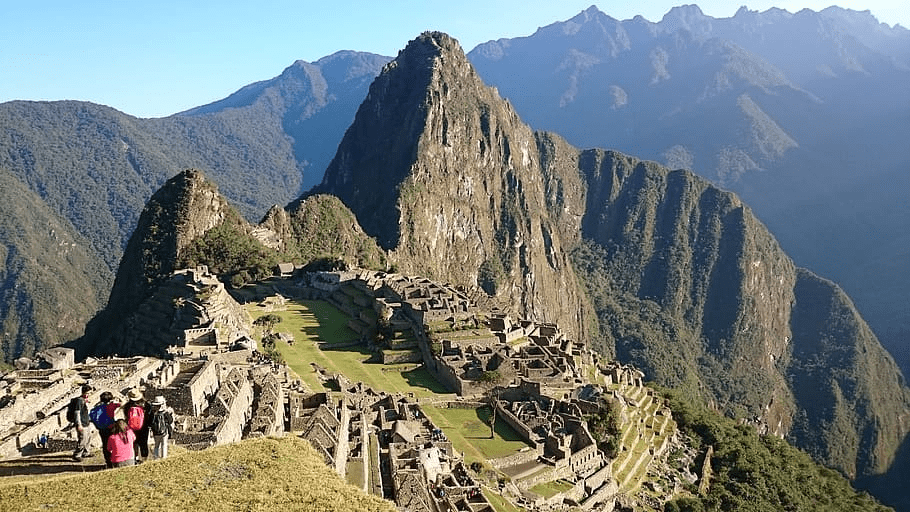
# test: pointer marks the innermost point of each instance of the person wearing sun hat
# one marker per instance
(161, 423)
(136, 412)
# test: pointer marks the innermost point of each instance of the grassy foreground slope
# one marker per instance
(262, 474)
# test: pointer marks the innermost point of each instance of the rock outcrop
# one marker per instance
(321, 226)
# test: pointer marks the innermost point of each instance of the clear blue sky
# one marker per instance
(152, 59)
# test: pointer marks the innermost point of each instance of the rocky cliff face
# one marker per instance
(690, 286)
(698, 259)
(444, 174)
(682, 279)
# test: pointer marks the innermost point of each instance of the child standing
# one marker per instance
(120, 444)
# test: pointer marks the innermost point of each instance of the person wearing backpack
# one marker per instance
(162, 426)
(77, 414)
(135, 411)
(102, 416)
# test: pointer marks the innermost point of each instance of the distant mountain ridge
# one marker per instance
(96, 167)
(805, 115)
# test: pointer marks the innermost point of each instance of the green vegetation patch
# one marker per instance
(499, 503)
(759, 473)
(261, 474)
(550, 489)
(318, 321)
(469, 432)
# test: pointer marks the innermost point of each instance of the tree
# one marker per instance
(267, 322)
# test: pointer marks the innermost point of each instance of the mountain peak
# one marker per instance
(430, 44)
(686, 12)
(442, 172)
(378, 151)
(686, 17)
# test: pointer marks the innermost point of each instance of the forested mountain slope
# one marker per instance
(51, 281)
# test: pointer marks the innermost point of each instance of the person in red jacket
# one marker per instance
(120, 444)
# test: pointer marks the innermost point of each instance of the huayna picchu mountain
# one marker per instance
(652, 266)
(658, 267)
(447, 178)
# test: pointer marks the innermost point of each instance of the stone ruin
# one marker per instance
(215, 402)
(381, 443)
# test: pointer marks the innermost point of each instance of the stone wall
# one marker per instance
(521, 457)
(519, 426)
(268, 418)
(396, 357)
(203, 385)
(231, 429)
(200, 336)
(26, 405)
(603, 495)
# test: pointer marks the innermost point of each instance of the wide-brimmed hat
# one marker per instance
(134, 394)
(159, 400)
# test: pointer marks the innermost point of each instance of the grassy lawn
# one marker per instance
(499, 503)
(313, 321)
(550, 489)
(518, 341)
(469, 432)
(256, 474)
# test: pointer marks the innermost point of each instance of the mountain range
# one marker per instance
(650, 265)
(805, 116)
(439, 175)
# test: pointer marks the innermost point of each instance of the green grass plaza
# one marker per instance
(314, 322)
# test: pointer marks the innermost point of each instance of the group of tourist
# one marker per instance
(124, 428)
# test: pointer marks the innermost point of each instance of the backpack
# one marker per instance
(72, 408)
(135, 417)
(100, 416)
(160, 423)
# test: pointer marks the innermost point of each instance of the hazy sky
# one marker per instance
(152, 59)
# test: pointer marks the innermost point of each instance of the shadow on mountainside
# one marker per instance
(891, 487)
